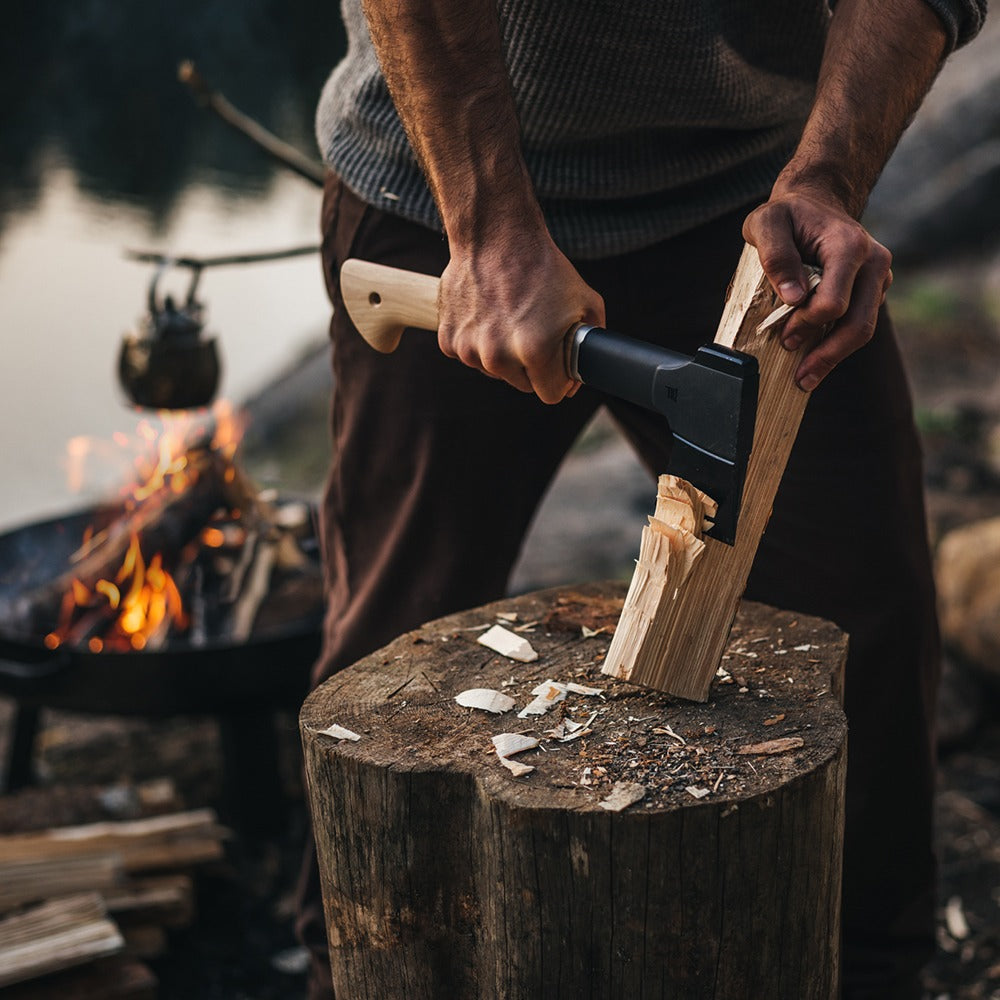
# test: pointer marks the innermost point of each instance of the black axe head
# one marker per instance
(709, 401)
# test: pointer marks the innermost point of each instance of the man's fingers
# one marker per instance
(853, 330)
(770, 230)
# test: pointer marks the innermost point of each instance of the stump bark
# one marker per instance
(444, 875)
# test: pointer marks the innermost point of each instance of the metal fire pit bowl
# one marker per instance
(268, 671)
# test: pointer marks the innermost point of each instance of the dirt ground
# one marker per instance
(242, 946)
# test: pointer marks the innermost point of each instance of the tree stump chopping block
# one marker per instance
(652, 847)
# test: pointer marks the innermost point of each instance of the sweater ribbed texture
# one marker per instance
(638, 119)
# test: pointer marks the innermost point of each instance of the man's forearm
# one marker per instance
(443, 62)
(880, 60)
(508, 294)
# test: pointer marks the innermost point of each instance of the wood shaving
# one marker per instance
(339, 733)
(624, 794)
(582, 689)
(569, 730)
(698, 793)
(774, 746)
(485, 699)
(508, 744)
(547, 694)
(784, 309)
(665, 730)
(516, 767)
(508, 644)
(954, 919)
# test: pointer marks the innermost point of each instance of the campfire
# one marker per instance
(190, 552)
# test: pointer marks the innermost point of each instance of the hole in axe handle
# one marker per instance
(374, 299)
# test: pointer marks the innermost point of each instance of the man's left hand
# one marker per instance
(798, 227)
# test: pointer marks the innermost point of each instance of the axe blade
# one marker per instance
(709, 402)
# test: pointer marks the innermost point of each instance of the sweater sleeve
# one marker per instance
(962, 19)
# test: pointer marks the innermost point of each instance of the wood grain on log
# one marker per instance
(445, 876)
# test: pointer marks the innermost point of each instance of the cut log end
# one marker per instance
(450, 870)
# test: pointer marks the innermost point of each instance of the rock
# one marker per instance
(968, 579)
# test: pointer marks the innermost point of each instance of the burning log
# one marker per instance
(195, 548)
(164, 521)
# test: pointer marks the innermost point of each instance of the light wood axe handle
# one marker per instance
(382, 300)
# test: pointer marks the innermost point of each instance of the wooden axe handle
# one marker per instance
(382, 300)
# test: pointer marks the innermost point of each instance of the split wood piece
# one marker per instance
(164, 900)
(160, 842)
(29, 881)
(73, 805)
(443, 875)
(678, 651)
(144, 941)
(671, 545)
(113, 978)
(56, 935)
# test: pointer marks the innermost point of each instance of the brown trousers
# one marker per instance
(418, 440)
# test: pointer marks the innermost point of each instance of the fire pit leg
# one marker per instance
(19, 772)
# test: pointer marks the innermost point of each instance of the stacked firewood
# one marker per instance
(82, 906)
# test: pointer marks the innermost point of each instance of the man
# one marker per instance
(602, 161)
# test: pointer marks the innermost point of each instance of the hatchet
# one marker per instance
(709, 400)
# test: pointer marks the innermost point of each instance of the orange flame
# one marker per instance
(143, 598)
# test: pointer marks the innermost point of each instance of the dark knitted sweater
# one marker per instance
(638, 119)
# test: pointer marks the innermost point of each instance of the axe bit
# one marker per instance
(709, 400)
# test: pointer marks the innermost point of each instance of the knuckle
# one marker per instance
(865, 331)
(828, 308)
(824, 362)
(881, 256)
(775, 261)
(446, 342)
(858, 242)
(492, 360)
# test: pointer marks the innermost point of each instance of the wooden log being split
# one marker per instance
(652, 848)
(676, 644)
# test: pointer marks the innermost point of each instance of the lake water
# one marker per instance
(104, 150)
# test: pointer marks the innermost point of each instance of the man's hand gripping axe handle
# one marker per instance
(709, 400)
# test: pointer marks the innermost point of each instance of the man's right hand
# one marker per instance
(505, 309)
